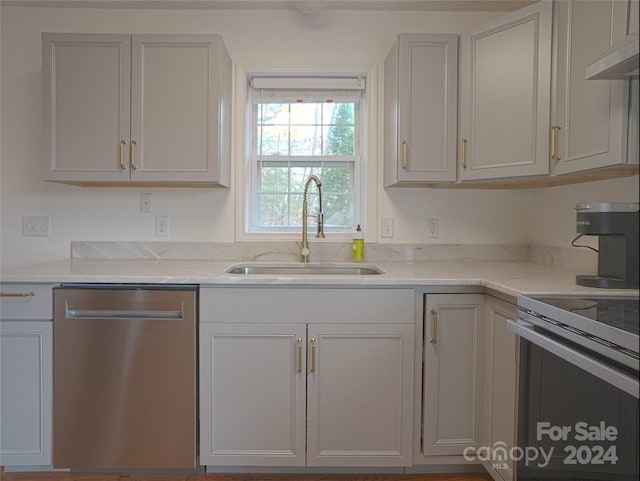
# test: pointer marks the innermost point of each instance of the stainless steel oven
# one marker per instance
(578, 389)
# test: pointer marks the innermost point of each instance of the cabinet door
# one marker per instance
(505, 77)
(451, 391)
(86, 106)
(252, 394)
(500, 386)
(421, 79)
(588, 115)
(178, 84)
(359, 397)
(26, 361)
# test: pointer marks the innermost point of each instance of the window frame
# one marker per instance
(321, 161)
(365, 171)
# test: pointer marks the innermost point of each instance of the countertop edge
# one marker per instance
(509, 278)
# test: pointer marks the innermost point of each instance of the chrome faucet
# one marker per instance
(304, 245)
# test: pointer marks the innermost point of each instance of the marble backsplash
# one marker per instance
(336, 252)
(577, 258)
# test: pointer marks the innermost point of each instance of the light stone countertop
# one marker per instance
(509, 278)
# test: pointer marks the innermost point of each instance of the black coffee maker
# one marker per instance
(616, 224)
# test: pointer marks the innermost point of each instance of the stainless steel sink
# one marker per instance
(301, 269)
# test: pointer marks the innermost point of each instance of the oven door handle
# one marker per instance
(615, 378)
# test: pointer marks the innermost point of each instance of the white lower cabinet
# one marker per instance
(296, 393)
(359, 390)
(451, 383)
(26, 355)
(252, 392)
(26, 374)
(500, 388)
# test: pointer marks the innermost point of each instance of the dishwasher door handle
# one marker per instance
(121, 314)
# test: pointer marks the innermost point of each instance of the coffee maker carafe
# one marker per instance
(616, 224)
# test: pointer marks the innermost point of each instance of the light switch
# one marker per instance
(386, 227)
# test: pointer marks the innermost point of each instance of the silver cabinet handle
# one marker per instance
(312, 368)
(121, 314)
(17, 294)
(434, 326)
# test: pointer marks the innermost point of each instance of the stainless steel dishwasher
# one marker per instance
(124, 377)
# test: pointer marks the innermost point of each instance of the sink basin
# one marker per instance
(300, 269)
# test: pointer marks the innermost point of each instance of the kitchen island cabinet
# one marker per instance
(136, 109)
(26, 365)
(340, 360)
(421, 110)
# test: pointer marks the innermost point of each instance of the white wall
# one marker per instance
(553, 216)
(278, 37)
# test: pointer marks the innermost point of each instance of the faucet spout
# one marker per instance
(304, 245)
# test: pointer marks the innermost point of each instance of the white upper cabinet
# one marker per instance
(588, 128)
(136, 109)
(86, 106)
(505, 75)
(421, 79)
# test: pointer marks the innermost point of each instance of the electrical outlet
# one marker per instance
(162, 226)
(433, 229)
(36, 226)
(145, 203)
(386, 228)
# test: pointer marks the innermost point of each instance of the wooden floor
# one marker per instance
(240, 477)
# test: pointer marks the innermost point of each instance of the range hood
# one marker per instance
(620, 61)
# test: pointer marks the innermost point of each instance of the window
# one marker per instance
(302, 127)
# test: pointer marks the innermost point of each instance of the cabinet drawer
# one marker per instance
(304, 305)
(26, 301)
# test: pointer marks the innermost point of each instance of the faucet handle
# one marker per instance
(320, 233)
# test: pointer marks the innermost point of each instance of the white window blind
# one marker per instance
(308, 83)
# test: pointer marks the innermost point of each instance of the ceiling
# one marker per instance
(305, 6)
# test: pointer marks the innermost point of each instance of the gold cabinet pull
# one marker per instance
(133, 155)
(299, 355)
(17, 294)
(554, 146)
(463, 154)
(312, 369)
(123, 166)
(434, 326)
(405, 154)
